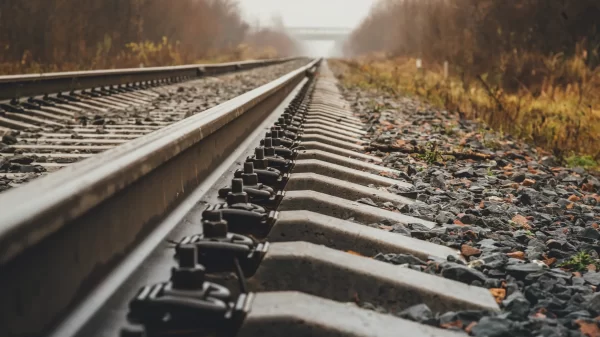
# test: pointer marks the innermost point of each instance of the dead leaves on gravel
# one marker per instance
(468, 251)
(589, 327)
(521, 222)
(499, 294)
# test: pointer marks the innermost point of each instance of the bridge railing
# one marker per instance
(319, 30)
(319, 33)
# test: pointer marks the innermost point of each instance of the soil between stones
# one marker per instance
(528, 227)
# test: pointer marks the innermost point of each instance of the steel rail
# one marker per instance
(19, 86)
(76, 224)
(79, 319)
(36, 210)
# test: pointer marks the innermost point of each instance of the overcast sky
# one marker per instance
(307, 13)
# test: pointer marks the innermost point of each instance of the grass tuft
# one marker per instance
(579, 262)
(581, 161)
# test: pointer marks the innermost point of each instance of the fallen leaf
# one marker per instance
(591, 267)
(595, 225)
(570, 206)
(528, 182)
(499, 294)
(400, 142)
(458, 222)
(574, 198)
(517, 255)
(550, 261)
(521, 221)
(587, 187)
(458, 324)
(589, 329)
(468, 251)
(353, 253)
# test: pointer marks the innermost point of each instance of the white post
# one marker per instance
(419, 63)
(445, 70)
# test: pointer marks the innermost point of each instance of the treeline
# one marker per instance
(512, 39)
(83, 34)
(528, 68)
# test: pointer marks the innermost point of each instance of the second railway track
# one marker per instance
(241, 221)
(42, 131)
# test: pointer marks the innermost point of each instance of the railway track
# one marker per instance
(50, 121)
(241, 221)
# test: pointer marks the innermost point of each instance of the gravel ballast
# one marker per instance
(527, 226)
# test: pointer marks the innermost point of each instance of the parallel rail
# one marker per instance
(25, 86)
(76, 115)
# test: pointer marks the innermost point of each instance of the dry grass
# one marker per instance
(563, 119)
(146, 54)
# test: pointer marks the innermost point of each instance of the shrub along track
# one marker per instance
(292, 171)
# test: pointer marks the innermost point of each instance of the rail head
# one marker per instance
(20, 86)
(38, 209)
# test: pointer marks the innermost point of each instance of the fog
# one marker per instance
(308, 13)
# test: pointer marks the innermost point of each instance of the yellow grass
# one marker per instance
(561, 116)
(133, 55)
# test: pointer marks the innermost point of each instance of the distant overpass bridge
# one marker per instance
(337, 34)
